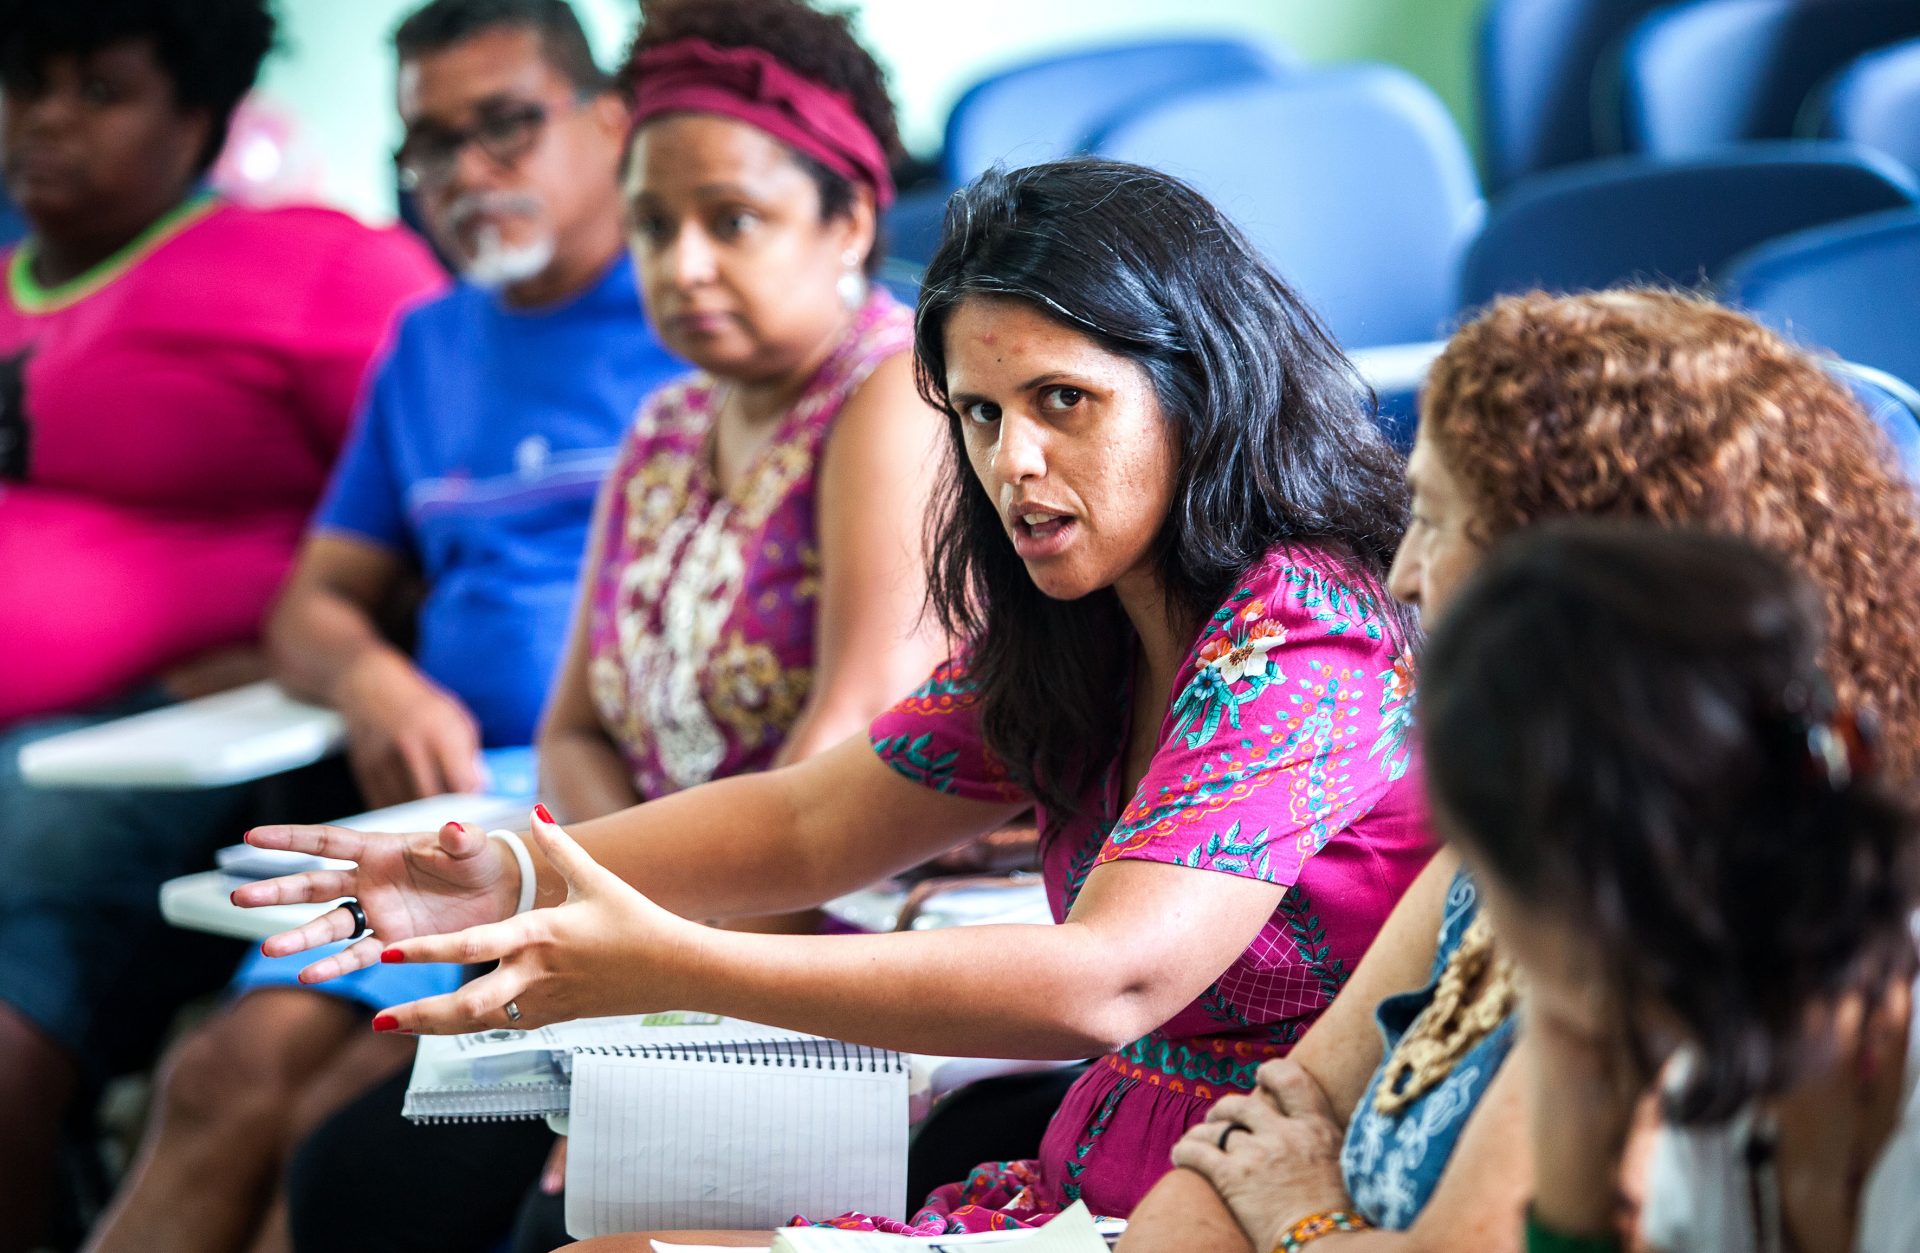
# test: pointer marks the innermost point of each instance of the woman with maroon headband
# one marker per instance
(754, 579)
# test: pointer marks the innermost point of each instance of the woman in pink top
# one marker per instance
(176, 374)
(1162, 537)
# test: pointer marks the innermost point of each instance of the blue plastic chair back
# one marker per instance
(1852, 288)
(1538, 78)
(912, 226)
(1699, 76)
(1638, 219)
(1874, 102)
(1053, 107)
(1354, 182)
(1396, 374)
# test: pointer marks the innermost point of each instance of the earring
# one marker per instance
(852, 284)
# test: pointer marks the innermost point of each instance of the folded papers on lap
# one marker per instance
(685, 1120)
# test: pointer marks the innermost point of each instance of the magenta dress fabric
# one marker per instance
(701, 619)
(1285, 757)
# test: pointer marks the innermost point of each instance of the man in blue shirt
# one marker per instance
(484, 434)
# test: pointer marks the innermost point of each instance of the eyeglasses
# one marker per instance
(505, 132)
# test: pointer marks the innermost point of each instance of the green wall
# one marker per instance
(934, 49)
(334, 73)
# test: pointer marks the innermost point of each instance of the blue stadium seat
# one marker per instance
(1852, 288)
(1874, 101)
(1538, 70)
(1637, 218)
(1353, 181)
(1052, 107)
(912, 226)
(1695, 77)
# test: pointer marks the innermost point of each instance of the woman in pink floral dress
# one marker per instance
(1162, 538)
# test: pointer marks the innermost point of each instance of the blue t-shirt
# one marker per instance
(484, 435)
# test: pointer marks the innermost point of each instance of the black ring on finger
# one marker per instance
(1231, 1128)
(361, 929)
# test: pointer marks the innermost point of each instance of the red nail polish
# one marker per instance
(393, 956)
(385, 1022)
(544, 814)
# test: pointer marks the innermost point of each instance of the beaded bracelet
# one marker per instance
(1544, 1239)
(1313, 1226)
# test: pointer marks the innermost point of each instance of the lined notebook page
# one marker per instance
(663, 1144)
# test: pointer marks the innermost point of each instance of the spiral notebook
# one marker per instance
(687, 1120)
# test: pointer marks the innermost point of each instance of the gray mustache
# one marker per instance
(461, 211)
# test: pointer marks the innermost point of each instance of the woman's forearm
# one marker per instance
(1183, 1214)
(779, 840)
(943, 992)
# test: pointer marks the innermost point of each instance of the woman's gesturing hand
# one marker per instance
(1283, 1166)
(408, 885)
(606, 950)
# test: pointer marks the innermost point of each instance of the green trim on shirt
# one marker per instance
(30, 297)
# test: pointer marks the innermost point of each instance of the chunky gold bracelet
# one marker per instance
(1313, 1226)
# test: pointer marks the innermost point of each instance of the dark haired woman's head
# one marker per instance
(1139, 408)
(114, 107)
(748, 240)
(1628, 736)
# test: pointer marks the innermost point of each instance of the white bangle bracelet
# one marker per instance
(524, 859)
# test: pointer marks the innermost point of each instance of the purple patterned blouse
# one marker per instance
(701, 623)
(1284, 757)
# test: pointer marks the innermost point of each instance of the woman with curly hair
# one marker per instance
(1624, 404)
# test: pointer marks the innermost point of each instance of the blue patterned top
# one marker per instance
(1393, 1164)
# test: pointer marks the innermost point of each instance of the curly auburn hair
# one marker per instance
(1660, 405)
(817, 44)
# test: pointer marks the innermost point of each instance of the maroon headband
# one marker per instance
(752, 86)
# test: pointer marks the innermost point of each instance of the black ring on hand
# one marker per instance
(1231, 1128)
(360, 927)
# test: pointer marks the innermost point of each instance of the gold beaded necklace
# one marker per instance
(1453, 1021)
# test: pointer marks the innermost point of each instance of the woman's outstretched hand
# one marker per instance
(605, 950)
(408, 885)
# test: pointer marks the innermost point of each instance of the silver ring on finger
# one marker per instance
(358, 916)
(513, 1012)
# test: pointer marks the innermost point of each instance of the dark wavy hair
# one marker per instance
(1276, 442)
(1616, 720)
(817, 44)
(211, 50)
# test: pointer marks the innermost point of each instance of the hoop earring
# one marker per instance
(852, 284)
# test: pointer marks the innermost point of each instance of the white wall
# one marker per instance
(334, 74)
